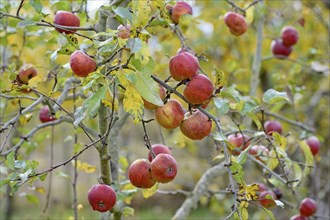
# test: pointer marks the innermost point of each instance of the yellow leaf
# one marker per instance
(149, 192)
(108, 100)
(83, 166)
(80, 206)
(279, 140)
(41, 190)
(24, 119)
(248, 192)
(143, 54)
(142, 11)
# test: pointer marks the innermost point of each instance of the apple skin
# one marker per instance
(183, 66)
(66, 18)
(163, 168)
(271, 126)
(298, 217)
(159, 149)
(81, 64)
(181, 8)
(236, 23)
(260, 152)
(289, 35)
(151, 106)
(262, 187)
(102, 197)
(267, 203)
(198, 90)
(307, 207)
(196, 126)
(139, 173)
(170, 115)
(26, 73)
(124, 31)
(45, 116)
(279, 49)
(314, 144)
(237, 140)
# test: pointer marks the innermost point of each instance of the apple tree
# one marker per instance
(225, 103)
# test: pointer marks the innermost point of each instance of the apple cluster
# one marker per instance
(236, 23)
(26, 73)
(178, 10)
(283, 46)
(102, 197)
(267, 196)
(160, 167)
(307, 207)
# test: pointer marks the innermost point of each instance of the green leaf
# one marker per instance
(128, 211)
(309, 159)
(230, 93)
(143, 82)
(255, 119)
(243, 155)
(10, 161)
(297, 174)
(32, 198)
(272, 96)
(123, 15)
(90, 106)
(134, 44)
(36, 4)
(222, 105)
(247, 105)
(237, 171)
(219, 136)
(25, 23)
(269, 213)
(149, 192)
(43, 176)
(279, 140)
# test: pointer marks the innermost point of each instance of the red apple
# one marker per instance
(81, 64)
(26, 73)
(163, 168)
(314, 144)
(45, 116)
(183, 66)
(198, 90)
(289, 36)
(124, 31)
(236, 23)
(181, 8)
(298, 217)
(139, 173)
(66, 18)
(271, 126)
(262, 187)
(265, 201)
(279, 49)
(196, 125)
(307, 207)
(159, 149)
(170, 115)
(102, 197)
(238, 140)
(260, 152)
(151, 106)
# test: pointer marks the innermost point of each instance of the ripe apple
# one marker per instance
(289, 36)
(159, 149)
(163, 168)
(45, 116)
(81, 64)
(170, 115)
(66, 18)
(238, 140)
(260, 152)
(298, 217)
(314, 144)
(149, 105)
(124, 31)
(139, 173)
(265, 201)
(26, 73)
(196, 125)
(199, 89)
(236, 23)
(181, 8)
(307, 207)
(271, 126)
(102, 197)
(279, 49)
(183, 66)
